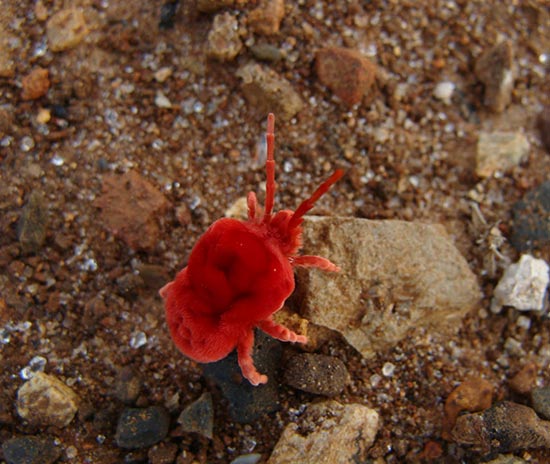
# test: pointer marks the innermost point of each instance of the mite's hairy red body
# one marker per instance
(238, 275)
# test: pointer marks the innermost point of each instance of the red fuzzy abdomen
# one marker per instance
(236, 277)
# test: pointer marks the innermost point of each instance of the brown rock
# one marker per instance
(66, 29)
(524, 381)
(495, 69)
(266, 92)
(379, 298)
(33, 223)
(328, 433)
(347, 73)
(504, 427)
(129, 206)
(46, 400)
(35, 84)
(266, 19)
(475, 394)
(224, 42)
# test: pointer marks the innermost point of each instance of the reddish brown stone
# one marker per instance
(475, 394)
(266, 19)
(130, 206)
(347, 73)
(35, 84)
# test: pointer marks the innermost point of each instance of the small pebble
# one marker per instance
(198, 417)
(495, 69)
(161, 100)
(31, 450)
(540, 398)
(66, 29)
(346, 72)
(162, 74)
(444, 91)
(316, 373)
(266, 91)
(522, 286)
(500, 151)
(45, 400)
(266, 19)
(474, 394)
(128, 385)
(531, 225)
(168, 12)
(31, 228)
(224, 42)
(266, 52)
(35, 84)
(129, 208)
(142, 427)
(524, 381)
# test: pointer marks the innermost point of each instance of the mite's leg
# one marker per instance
(315, 261)
(164, 290)
(280, 332)
(252, 203)
(246, 363)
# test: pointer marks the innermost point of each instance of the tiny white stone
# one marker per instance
(523, 285)
(162, 101)
(388, 369)
(444, 91)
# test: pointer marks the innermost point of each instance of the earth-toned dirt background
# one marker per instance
(144, 89)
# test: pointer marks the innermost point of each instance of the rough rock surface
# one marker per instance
(504, 427)
(316, 373)
(330, 432)
(46, 400)
(396, 277)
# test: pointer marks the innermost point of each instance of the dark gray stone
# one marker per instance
(198, 417)
(246, 402)
(128, 385)
(142, 427)
(30, 450)
(317, 373)
(531, 228)
(541, 401)
(31, 228)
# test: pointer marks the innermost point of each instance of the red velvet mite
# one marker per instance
(238, 275)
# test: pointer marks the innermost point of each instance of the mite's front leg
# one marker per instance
(280, 332)
(315, 261)
(246, 363)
